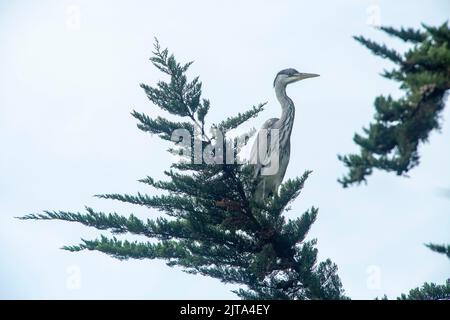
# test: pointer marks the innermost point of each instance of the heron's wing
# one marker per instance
(259, 159)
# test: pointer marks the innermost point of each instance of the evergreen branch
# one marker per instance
(296, 230)
(234, 122)
(175, 206)
(391, 142)
(289, 190)
(161, 229)
(160, 126)
(242, 194)
(163, 97)
(184, 185)
(178, 96)
(99, 220)
(407, 35)
(380, 50)
(439, 34)
(440, 248)
(202, 111)
(429, 291)
(124, 249)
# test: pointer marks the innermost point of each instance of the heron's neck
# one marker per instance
(287, 110)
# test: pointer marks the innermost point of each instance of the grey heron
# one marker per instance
(271, 150)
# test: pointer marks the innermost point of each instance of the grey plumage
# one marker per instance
(271, 150)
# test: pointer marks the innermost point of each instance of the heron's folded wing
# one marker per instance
(258, 157)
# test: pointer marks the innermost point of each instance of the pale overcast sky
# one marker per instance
(67, 88)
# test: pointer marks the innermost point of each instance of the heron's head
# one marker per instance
(290, 75)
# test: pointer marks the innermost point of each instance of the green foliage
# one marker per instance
(234, 122)
(210, 224)
(391, 141)
(429, 291)
(440, 248)
(407, 35)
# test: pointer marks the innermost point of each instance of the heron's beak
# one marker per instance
(301, 76)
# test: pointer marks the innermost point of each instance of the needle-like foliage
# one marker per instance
(210, 223)
(391, 141)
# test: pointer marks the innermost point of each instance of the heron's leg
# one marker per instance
(264, 189)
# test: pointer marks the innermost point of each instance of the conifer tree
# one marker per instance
(429, 291)
(440, 248)
(391, 141)
(209, 222)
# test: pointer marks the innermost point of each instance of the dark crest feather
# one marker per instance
(288, 72)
